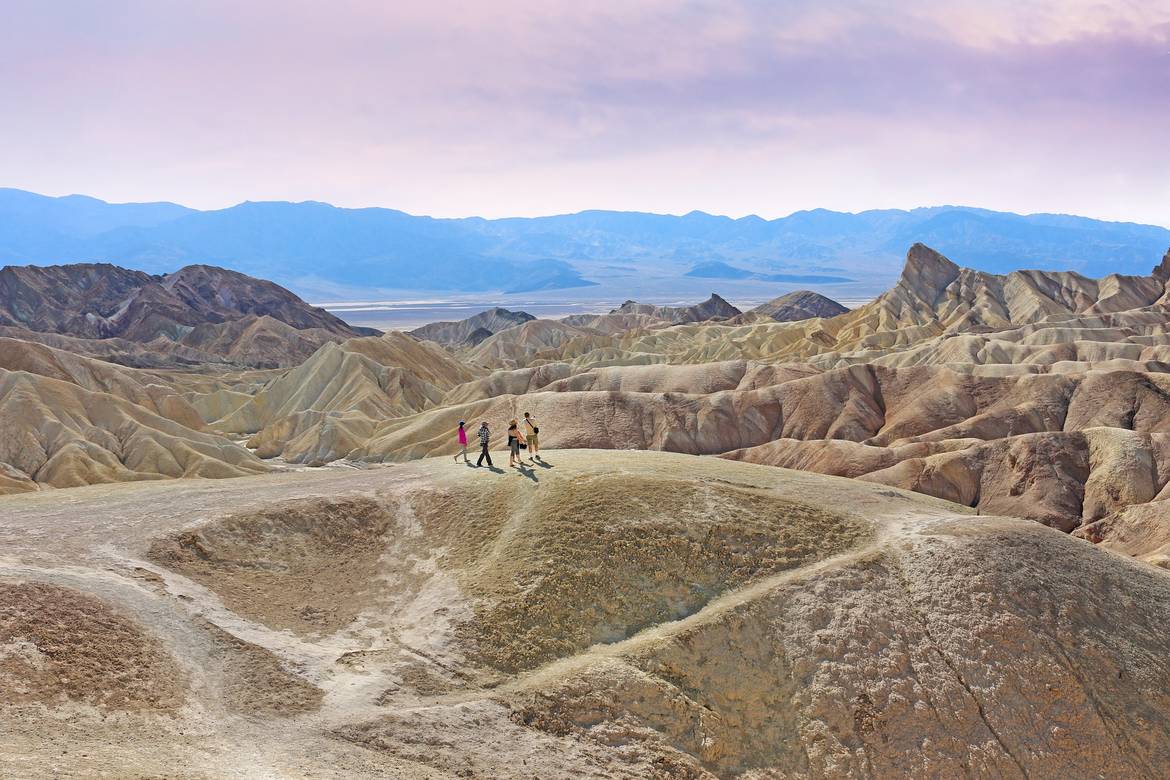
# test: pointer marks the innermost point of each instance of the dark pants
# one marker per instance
(483, 453)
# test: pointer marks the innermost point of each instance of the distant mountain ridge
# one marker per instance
(310, 243)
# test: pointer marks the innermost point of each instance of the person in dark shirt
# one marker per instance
(485, 436)
(533, 436)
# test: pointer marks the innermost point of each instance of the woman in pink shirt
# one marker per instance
(462, 443)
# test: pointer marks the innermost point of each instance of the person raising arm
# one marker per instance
(533, 431)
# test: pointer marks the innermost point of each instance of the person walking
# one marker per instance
(485, 436)
(533, 436)
(515, 439)
(462, 443)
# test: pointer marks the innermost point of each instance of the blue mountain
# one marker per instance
(383, 248)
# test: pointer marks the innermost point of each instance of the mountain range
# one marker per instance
(311, 246)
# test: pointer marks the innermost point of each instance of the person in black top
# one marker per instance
(485, 436)
(533, 436)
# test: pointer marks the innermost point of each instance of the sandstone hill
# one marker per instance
(1138, 530)
(60, 434)
(259, 342)
(799, 305)
(615, 322)
(471, 331)
(332, 402)
(617, 615)
(574, 334)
(518, 346)
(632, 315)
(1061, 449)
(147, 389)
(99, 301)
(714, 308)
(159, 353)
(73, 420)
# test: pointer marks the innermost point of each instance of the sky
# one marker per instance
(516, 108)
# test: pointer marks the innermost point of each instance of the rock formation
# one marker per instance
(99, 301)
(1025, 317)
(799, 305)
(60, 434)
(1023, 394)
(523, 344)
(331, 403)
(714, 308)
(474, 329)
(159, 353)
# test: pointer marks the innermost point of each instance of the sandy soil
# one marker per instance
(610, 614)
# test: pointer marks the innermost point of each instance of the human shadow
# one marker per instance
(492, 468)
(542, 463)
(527, 471)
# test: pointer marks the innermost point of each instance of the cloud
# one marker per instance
(518, 107)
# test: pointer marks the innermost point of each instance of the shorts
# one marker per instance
(514, 445)
(533, 441)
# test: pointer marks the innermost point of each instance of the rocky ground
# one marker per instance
(602, 614)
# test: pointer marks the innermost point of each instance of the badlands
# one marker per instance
(929, 538)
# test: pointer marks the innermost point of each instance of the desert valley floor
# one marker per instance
(926, 537)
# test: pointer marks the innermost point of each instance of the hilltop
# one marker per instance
(799, 305)
(420, 622)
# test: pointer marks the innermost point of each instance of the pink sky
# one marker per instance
(523, 108)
